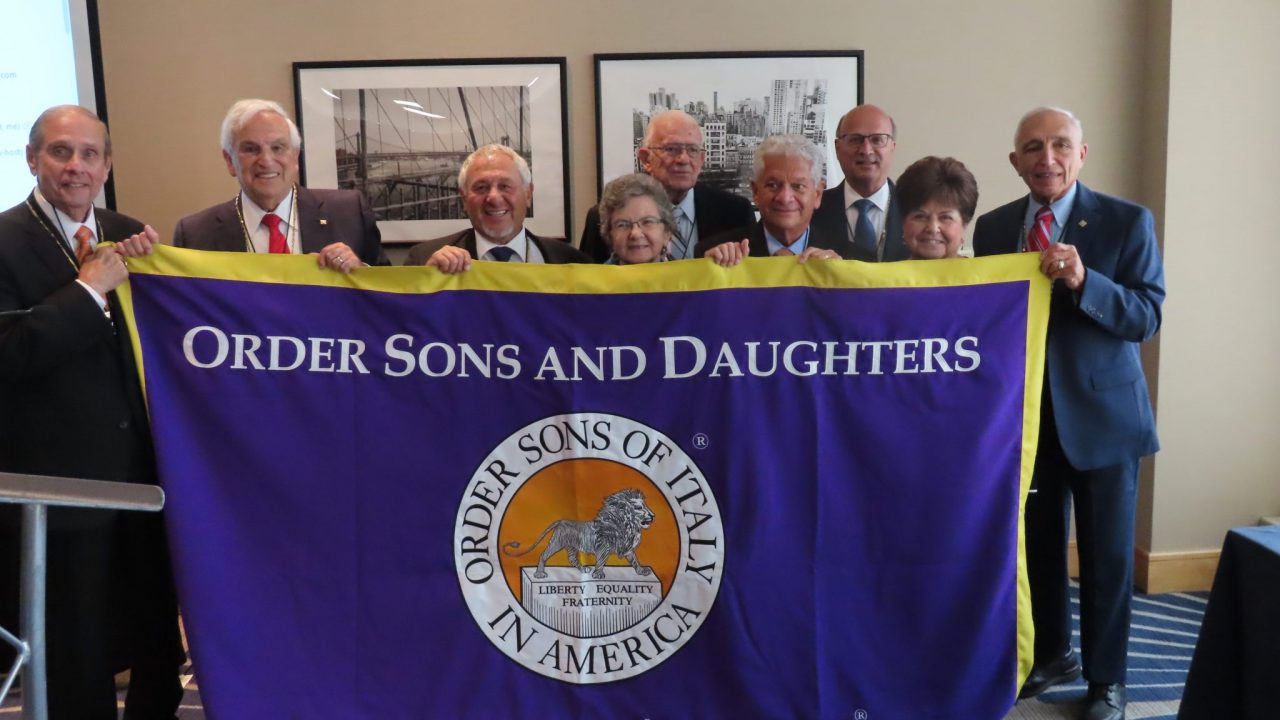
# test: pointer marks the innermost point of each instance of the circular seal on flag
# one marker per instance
(589, 547)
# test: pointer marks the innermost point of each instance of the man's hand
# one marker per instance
(138, 245)
(450, 260)
(730, 253)
(812, 253)
(338, 256)
(104, 270)
(1061, 261)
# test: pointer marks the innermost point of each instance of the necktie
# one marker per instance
(84, 242)
(783, 252)
(680, 243)
(1038, 238)
(278, 243)
(864, 232)
(502, 254)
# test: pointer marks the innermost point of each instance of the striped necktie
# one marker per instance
(680, 244)
(84, 242)
(1038, 238)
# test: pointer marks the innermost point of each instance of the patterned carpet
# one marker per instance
(1163, 636)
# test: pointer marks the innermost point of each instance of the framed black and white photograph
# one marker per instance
(398, 131)
(738, 98)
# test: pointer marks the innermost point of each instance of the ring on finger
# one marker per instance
(1062, 264)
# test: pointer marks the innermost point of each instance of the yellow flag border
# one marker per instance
(680, 276)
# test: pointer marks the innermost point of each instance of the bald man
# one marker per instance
(862, 209)
(673, 153)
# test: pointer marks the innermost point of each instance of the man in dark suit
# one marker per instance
(260, 145)
(496, 188)
(863, 208)
(73, 407)
(787, 188)
(1096, 420)
(673, 153)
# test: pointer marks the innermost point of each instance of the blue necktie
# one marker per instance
(864, 232)
(502, 254)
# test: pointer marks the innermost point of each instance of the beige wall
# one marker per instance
(1220, 348)
(956, 76)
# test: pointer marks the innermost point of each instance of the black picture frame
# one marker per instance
(630, 87)
(420, 119)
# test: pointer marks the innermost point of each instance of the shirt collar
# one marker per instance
(879, 198)
(686, 205)
(518, 244)
(253, 214)
(775, 244)
(65, 222)
(1061, 207)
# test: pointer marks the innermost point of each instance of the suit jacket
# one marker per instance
(554, 252)
(833, 221)
(715, 211)
(72, 406)
(64, 362)
(1093, 368)
(759, 246)
(325, 217)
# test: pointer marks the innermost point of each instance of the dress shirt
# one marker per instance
(68, 227)
(880, 199)
(260, 234)
(775, 244)
(525, 251)
(1061, 213)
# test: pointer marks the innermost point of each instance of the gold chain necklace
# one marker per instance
(59, 238)
(293, 223)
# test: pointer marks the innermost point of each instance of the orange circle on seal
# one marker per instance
(577, 490)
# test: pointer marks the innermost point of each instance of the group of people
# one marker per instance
(73, 405)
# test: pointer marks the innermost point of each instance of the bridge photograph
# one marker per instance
(403, 147)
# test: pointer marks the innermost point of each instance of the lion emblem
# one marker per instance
(615, 530)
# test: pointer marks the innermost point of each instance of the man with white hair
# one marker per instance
(1096, 422)
(271, 214)
(788, 187)
(673, 153)
(496, 188)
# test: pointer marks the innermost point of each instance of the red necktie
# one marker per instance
(1038, 238)
(278, 243)
(84, 242)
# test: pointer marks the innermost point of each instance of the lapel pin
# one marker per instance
(325, 221)
(1082, 222)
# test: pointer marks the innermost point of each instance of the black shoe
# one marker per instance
(1105, 702)
(1042, 677)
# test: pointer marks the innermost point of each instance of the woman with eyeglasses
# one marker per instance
(637, 219)
(938, 197)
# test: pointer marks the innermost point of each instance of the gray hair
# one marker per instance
(495, 149)
(667, 115)
(36, 137)
(789, 146)
(1047, 109)
(620, 190)
(245, 110)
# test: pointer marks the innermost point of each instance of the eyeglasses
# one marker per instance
(878, 140)
(645, 224)
(674, 151)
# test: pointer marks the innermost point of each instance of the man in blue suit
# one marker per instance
(1096, 420)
